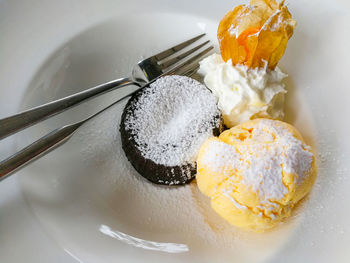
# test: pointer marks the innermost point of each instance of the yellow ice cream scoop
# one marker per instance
(256, 172)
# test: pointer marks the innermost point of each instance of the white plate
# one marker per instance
(88, 203)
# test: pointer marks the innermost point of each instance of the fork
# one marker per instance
(143, 72)
(61, 135)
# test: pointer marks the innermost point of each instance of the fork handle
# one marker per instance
(20, 121)
(36, 149)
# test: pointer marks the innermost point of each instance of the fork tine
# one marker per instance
(188, 62)
(190, 70)
(176, 59)
(176, 48)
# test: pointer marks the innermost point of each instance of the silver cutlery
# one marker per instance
(168, 62)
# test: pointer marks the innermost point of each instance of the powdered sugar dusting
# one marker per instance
(234, 30)
(220, 156)
(172, 118)
(262, 158)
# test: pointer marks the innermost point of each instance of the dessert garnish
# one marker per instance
(256, 34)
(244, 93)
(164, 125)
(245, 78)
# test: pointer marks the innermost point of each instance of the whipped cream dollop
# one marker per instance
(243, 93)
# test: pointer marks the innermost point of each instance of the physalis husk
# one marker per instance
(256, 34)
